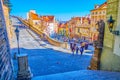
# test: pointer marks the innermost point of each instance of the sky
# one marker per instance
(61, 9)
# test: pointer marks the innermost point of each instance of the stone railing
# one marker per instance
(44, 35)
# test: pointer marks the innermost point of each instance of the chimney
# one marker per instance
(96, 6)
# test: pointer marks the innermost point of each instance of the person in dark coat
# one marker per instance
(77, 47)
(82, 48)
(72, 45)
(86, 46)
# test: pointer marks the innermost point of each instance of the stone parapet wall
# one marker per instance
(43, 35)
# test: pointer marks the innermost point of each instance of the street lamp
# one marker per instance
(110, 26)
(17, 35)
(24, 72)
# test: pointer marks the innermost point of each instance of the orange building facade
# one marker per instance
(45, 23)
(79, 27)
(33, 18)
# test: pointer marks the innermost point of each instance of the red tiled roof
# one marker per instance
(61, 25)
(76, 18)
(48, 18)
(34, 16)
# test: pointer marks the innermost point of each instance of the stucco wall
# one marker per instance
(117, 38)
(109, 59)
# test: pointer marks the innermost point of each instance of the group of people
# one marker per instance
(77, 46)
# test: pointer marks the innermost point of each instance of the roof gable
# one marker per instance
(34, 16)
(102, 6)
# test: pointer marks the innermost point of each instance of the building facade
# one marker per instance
(49, 25)
(6, 70)
(33, 18)
(79, 27)
(45, 23)
(107, 57)
(83, 28)
(97, 14)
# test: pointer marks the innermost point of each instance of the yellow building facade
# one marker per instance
(7, 20)
(97, 14)
(82, 27)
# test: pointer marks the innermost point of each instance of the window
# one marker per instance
(103, 12)
(96, 13)
(78, 30)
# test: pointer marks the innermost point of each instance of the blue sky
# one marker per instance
(61, 9)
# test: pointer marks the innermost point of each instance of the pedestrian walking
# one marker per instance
(77, 47)
(72, 45)
(86, 46)
(82, 48)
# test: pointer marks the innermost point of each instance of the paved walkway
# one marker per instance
(54, 63)
(46, 59)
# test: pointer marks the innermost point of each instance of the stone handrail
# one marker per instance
(44, 35)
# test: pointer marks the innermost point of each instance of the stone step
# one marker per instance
(81, 75)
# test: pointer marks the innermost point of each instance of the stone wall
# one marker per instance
(6, 70)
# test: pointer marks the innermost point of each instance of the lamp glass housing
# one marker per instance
(110, 23)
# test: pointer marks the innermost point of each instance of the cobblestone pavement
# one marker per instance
(45, 59)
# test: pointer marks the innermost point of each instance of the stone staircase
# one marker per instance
(81, 75)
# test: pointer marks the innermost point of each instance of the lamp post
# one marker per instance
(24, 72)
(110, 26)
(17, 35)
(110, 23)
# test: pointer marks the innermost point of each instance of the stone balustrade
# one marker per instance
(44, 35)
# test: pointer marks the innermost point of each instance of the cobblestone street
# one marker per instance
(59, 40)
(46, 59)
